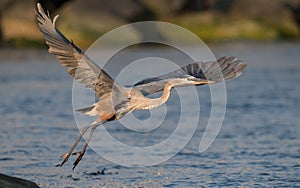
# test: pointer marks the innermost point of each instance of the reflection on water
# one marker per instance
(258, 144)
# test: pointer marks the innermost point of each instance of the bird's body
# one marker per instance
(114, 100)
(135, 101)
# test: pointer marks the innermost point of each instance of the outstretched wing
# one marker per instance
(77, 64)
(224, 68)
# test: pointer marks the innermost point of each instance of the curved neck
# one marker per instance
(166, 93)
(153, 103)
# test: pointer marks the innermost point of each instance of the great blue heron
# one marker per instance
(114, 100)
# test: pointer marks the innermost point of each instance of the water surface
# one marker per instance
(258, 145)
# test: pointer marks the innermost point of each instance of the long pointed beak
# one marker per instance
(207, 82)
(202, 81)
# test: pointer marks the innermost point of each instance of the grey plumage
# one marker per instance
(77, 64)
(225, 68)
(115, 101)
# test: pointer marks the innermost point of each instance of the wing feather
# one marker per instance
(224, 68)
(77, 64)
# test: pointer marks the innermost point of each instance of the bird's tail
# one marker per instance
(90, 110)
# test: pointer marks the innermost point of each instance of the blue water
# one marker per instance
(258, 145)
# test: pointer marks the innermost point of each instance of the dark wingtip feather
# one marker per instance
(225, 68)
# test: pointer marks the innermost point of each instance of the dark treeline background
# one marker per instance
(211, 20)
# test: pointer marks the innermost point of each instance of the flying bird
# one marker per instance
(114, 100)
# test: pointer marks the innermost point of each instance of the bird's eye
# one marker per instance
(190, 79)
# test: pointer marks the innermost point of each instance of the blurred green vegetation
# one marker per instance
(236, 29)
(220, 20)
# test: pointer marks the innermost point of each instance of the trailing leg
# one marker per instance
(67, 155)
(81, 153)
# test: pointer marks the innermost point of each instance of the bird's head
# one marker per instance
(188, 81)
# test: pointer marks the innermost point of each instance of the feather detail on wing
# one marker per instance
(77, 64)
(225, 68)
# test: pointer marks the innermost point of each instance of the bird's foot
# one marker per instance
(80, 155)
(65, 159)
